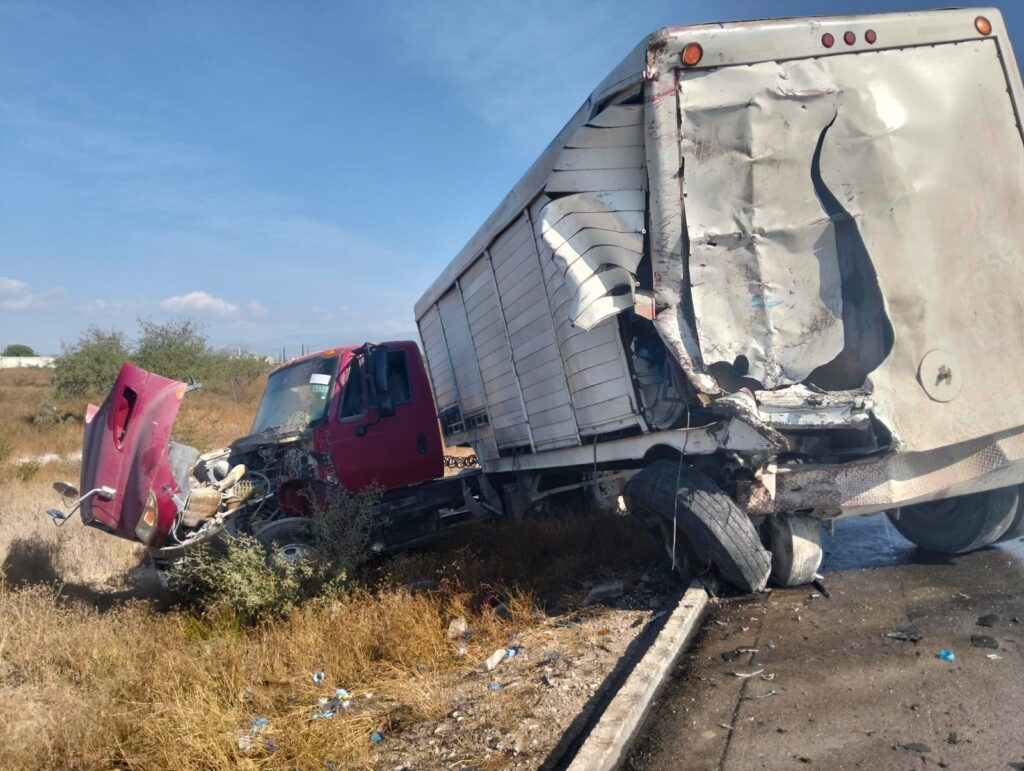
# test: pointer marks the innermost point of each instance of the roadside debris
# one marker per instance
(495, 659)
(611, 590)
(989, 619)
(908, 633)
(736, 653)
(984, 641)
(946, 655)
(494, 686)
(458, 628)
(770, 693)
(993, 656)
(819, 584)
(745, 675)
(318, 677)
(915, 747)
(376, 737)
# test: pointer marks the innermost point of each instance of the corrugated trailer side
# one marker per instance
(528, 330)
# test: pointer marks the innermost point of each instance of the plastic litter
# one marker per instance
(495, 659)
(245, 742)
(946, 655)
(511, 651)
(909, 633)
(319, 677)
(494, 686)
(271, 745)
(257, 724)
(376, 737)
(246, 694)
(984, 641)
(993, 656)
(989, 619)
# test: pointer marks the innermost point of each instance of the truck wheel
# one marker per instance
(715, 529)
(796, 548)
(1016, 528)
(958, 525)
(290, 538)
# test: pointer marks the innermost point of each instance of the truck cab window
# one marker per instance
(398, 377)
(352, 402)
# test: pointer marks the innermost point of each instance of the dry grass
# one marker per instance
(137, 688)
(89, 683)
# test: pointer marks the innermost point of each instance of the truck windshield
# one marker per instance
(297, 396)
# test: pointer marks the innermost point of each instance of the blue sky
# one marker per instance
(286, 173)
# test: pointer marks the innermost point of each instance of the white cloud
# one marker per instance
(256, 309)
(200, 302)
(16, 296)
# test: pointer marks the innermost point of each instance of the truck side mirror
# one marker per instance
(381, 388)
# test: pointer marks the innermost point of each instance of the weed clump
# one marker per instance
(250, 579)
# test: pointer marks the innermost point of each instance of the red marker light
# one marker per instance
(983, 25)
(827, 40)
(849, 38)
(870, 36)
(692, 54)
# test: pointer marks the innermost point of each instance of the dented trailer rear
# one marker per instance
(770, 270)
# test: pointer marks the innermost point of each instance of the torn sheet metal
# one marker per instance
(764, 275)
(596, 232)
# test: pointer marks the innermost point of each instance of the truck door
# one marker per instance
(392, 451)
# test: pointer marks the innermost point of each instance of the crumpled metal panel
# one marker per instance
(596, 233)
(764, 275)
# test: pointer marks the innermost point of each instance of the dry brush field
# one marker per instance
(100, 669)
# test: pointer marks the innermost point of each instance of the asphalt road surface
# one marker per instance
(835, 692)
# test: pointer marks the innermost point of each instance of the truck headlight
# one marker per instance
(146, 527)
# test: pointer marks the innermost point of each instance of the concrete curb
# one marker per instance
(608, 743)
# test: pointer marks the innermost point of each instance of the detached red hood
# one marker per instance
(125, 447)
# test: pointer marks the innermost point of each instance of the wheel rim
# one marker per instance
(293, 552)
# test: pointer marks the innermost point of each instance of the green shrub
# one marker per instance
(89, 366)
(18, 349)
(243, 579)
(175, 349)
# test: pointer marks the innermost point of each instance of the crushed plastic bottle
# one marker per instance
(946, 655)
(318, 677)
(257, 724)
(494, 686)
(512, 650)
(376, 737)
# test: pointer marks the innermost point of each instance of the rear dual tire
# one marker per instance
(962, 524)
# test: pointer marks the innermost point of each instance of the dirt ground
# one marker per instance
(833, 691)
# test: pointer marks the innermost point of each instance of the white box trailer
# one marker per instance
(782, 256)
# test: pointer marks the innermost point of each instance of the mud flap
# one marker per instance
(714, 527)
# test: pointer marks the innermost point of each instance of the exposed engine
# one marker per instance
(237, 486)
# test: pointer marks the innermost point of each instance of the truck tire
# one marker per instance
(958, 525)
(796, 548)
(714, 527)
(1016, 528)
(291, 539)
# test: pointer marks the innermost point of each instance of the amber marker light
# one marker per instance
(692, 54)
(983, 25)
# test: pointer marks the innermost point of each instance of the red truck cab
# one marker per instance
(355, 416)
(370, 410)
